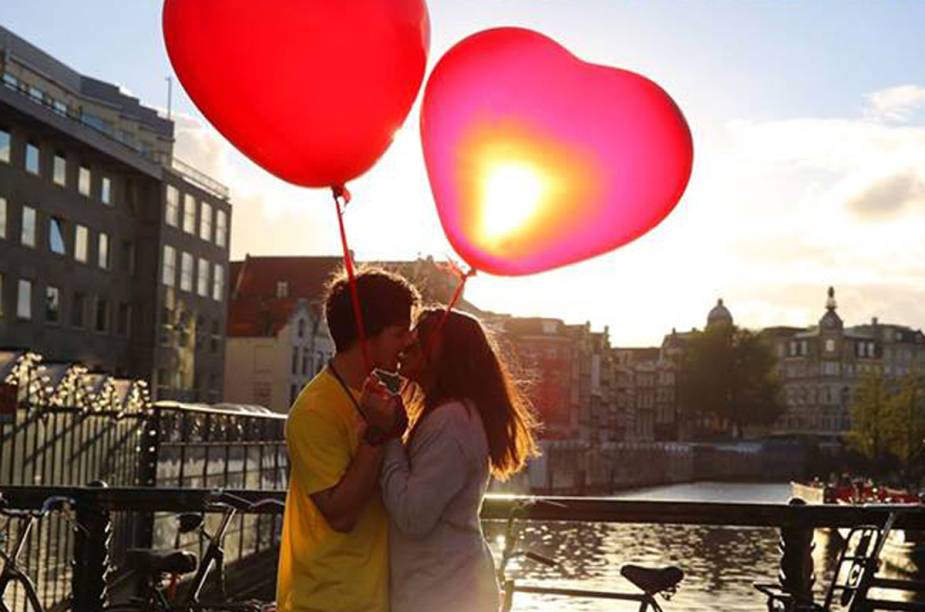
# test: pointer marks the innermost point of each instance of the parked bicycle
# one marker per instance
(856, 576)
(13, 574)
(651, 582)
(159, 570)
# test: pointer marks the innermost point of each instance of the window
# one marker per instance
(189, 214)
(83, 181)
(24, 299)
(301, 327)
(282, 289)
(2, 217)
(218, 283)
(56, 236)
(127, 257)
(172, 207)
(1, 296)
(59, 107)
(221, 228)
(306, 358)
(263, 392)
(27, 235)
(81, 237)
(295, 359)
(59, 170)
(32, 158)
(124, 320)
(830, 346)
(293, 392)
(186, 272)
(216, 338)
(106, 190)
(103, 251)
(36, 94)
(205, 222)
(52, 304)
(169, 269)
(78, 309)
(202, 279)
(4, 146)
(101, 320)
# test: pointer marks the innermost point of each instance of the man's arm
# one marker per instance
(341, 504)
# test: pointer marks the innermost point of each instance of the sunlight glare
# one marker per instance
(512, 194)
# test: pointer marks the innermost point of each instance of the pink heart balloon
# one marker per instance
(537, 159)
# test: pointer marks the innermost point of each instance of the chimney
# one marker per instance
(874, 321)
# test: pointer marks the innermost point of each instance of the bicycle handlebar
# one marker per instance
(231, 500)
(51, 504)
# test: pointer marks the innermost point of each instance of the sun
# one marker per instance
(513, 192)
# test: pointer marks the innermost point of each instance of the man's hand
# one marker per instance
(380, 406)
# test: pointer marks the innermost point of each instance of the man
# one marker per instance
(333, 554)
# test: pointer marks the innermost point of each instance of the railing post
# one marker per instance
(796, 562)
(91, 552)
(147, 474)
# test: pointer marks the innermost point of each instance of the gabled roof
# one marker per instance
(257, 310)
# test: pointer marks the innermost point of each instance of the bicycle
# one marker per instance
(154, 566)
(858, 565)
(12, 573)
(651, 582)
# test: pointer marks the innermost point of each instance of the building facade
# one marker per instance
(112, 253)
(821, 367)
(277, 336)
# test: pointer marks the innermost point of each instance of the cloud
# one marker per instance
(892, 195)
(895, 103)
(201, 146)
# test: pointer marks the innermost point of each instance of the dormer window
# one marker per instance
(282, 289)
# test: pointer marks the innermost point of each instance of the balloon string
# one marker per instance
(342, 195)
(463, 277)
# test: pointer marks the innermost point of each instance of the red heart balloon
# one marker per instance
(312, 90)
(537, 159)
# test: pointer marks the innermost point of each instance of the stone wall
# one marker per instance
(576, 468)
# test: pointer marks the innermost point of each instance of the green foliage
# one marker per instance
(729, 373)
(888, 420)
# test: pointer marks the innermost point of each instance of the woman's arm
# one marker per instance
(416, 492)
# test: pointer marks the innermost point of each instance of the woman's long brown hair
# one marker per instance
(463, 364)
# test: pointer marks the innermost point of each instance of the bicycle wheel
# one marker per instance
(32, 599)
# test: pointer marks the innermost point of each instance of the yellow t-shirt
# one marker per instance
(319, 568)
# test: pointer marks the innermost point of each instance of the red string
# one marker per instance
(340, 193)
(463, 277)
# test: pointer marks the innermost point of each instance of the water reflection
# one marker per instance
(720, 564)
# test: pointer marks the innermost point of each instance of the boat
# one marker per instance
(904, 549)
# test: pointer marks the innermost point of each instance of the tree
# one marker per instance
(729, 373)
(871, 428)
(888, 421)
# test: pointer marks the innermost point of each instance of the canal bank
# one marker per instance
(572, 467)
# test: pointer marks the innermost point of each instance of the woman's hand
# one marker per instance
(380, 406)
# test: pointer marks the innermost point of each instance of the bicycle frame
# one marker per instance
(509, 585)
(11, 572)
(215, 555)
(646, 601)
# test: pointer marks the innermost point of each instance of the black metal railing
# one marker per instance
(61, 425)
(795, 521)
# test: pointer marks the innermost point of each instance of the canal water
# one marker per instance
(720, 564)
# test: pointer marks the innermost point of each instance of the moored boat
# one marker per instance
(904, 550)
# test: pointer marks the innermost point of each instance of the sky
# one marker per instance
(808, 121)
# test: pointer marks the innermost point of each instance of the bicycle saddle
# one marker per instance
(653, 580)
(161, 561)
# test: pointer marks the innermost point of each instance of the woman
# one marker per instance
(470, 422)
